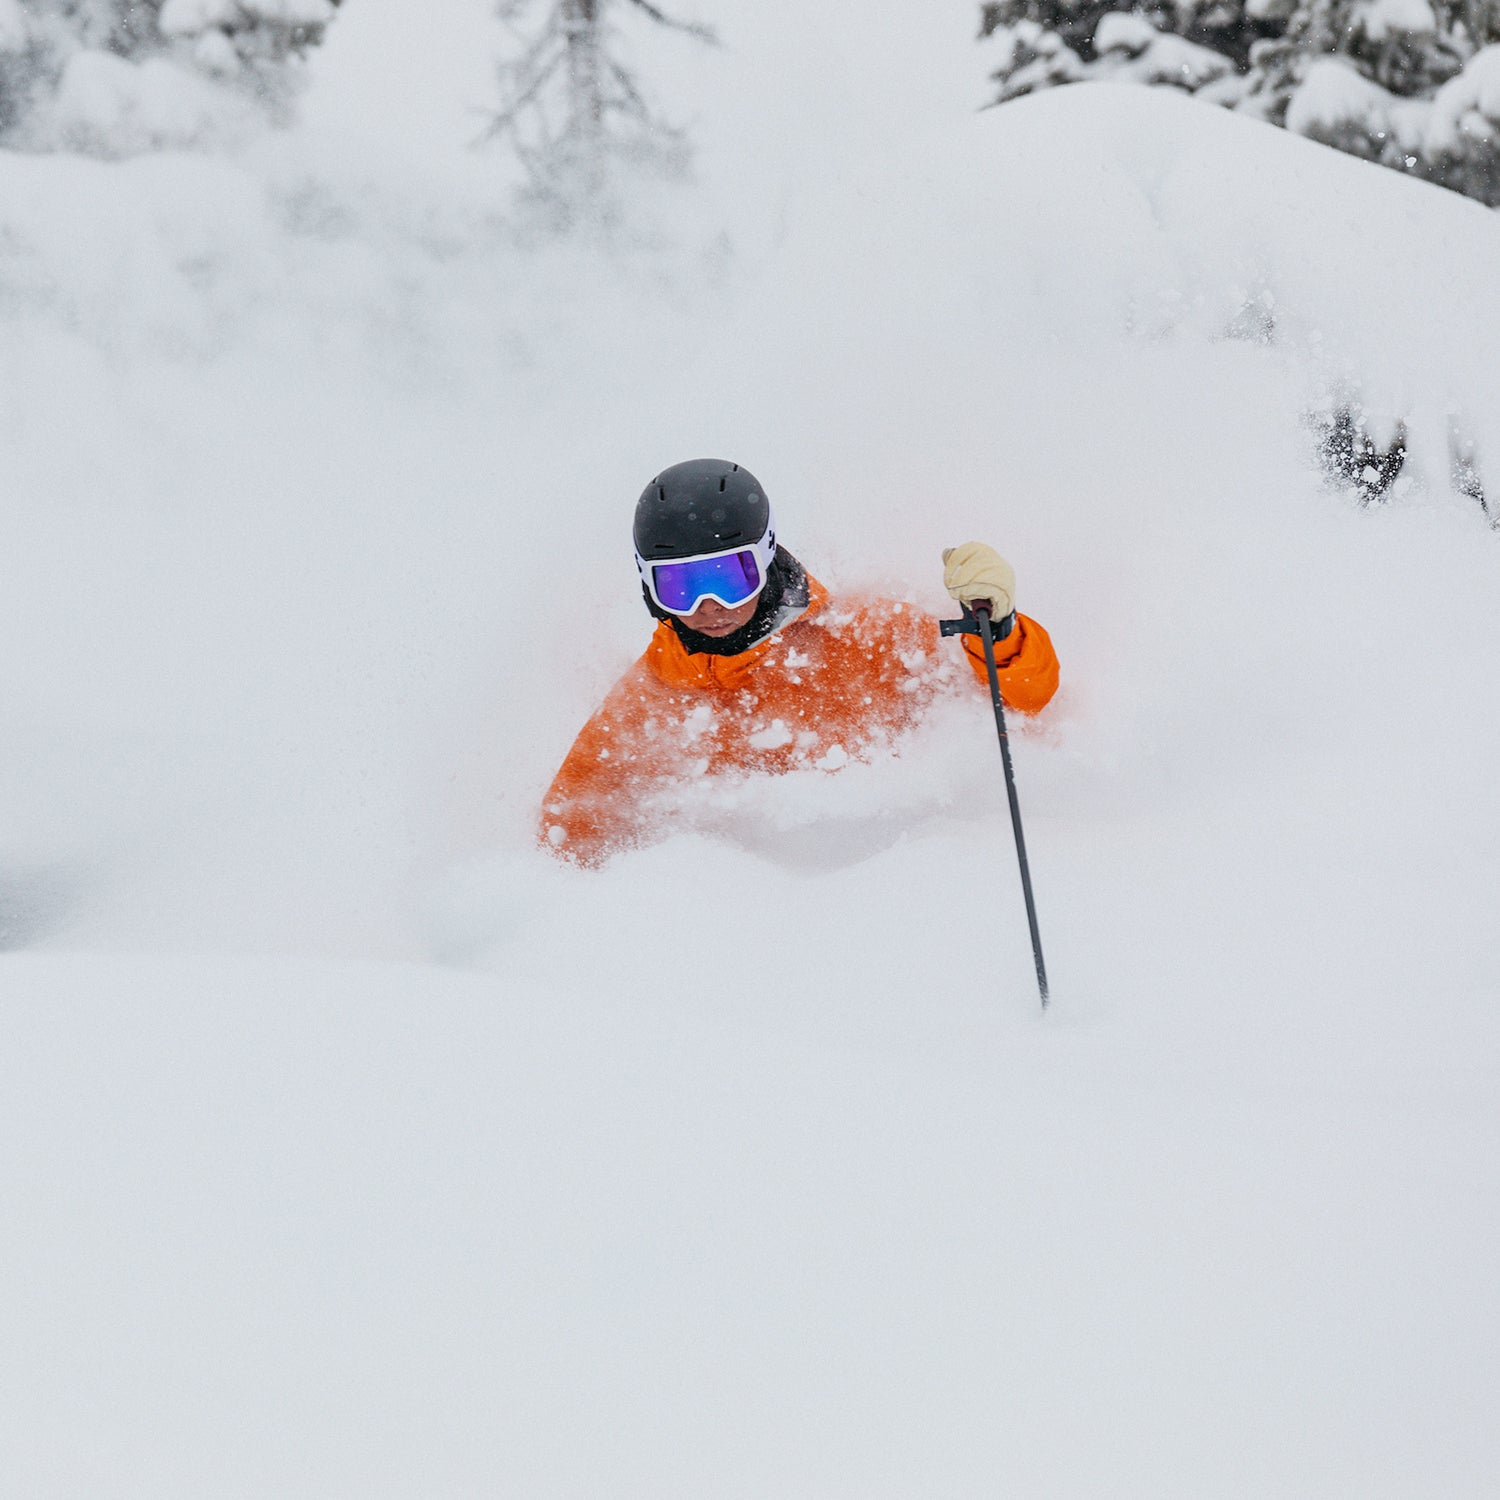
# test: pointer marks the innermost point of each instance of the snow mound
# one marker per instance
(746, 1166)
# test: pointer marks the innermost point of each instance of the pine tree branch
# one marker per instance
(705, 34)
(506, 119)
(631, 101)
(519, 68)
(632, 104)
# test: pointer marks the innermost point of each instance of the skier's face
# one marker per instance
(713, 619)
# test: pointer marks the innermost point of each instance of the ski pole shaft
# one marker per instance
(986, 635)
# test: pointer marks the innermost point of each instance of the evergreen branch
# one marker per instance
(705, 34)
(632, 101)
(632, 104)
(506, 119)
(521, 66)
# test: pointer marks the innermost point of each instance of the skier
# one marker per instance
(754, 667)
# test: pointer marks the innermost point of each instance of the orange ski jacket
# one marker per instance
(837, 683)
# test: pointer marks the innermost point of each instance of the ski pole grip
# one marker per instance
(969, 625)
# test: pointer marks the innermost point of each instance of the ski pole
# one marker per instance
(977, 621)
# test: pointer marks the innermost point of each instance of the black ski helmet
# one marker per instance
(703, 505)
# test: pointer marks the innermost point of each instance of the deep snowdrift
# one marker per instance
(745, 1167)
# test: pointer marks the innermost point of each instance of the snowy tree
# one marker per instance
(1461, 143)
(1411, 84)
(116, 76)
(1186, 45)
(229, 35)
(571, 105)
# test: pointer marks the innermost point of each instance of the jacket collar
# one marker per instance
(671, 661)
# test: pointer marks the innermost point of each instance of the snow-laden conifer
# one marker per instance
(119, 76)
(573, 107)
(1410, 84)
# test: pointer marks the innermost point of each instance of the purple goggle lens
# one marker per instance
(731, 578)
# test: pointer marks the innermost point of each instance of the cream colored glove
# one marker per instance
(976, 574)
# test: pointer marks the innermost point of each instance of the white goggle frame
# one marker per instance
(764, 550)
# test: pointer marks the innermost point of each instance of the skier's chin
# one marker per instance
(717, 623)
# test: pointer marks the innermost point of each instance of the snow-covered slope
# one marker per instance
(745, 1167)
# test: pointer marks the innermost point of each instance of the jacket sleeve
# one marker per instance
(594, 806)
(1026, 665)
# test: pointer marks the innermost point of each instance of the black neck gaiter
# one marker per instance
(784, 596)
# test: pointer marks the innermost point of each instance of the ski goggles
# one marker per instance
(734, 578)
